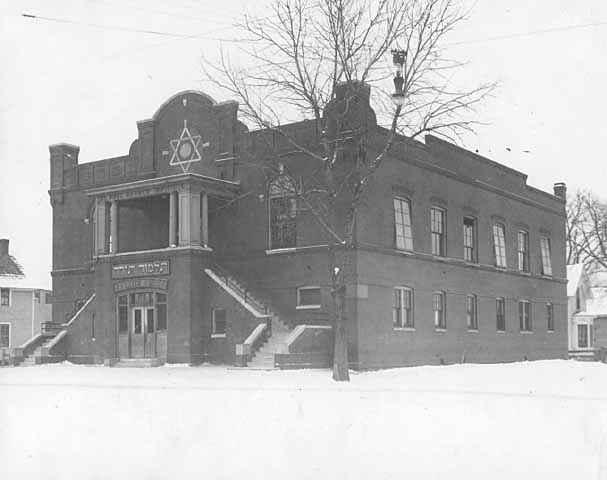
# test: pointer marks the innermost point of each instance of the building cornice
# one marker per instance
(158, 185)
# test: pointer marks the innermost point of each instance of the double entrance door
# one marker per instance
(142, 328)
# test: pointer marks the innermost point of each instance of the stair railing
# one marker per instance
(78, 304)
(242, 291)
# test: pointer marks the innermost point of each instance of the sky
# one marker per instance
(85, 71)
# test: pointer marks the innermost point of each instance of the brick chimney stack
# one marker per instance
(560, 190)
(3, 247)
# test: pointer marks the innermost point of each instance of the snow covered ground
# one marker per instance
(530, 420)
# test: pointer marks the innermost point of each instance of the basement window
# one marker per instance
(308, 298)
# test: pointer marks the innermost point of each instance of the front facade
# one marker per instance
(23, 308)
(182, 251)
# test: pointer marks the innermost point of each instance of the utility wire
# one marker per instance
(530, 33)
(126, 29)
(184, 36)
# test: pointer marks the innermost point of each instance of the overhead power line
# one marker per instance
(126, 29)
(185, 36)
(531, 33)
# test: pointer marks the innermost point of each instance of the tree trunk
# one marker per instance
(340, 330)
(340, 344)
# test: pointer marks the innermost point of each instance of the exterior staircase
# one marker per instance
(589, 355)
(263, 353)
(35, 357)
(263, 359)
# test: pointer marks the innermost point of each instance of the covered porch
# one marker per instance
(157, 213)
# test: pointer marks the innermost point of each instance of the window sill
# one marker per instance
(473, 330)
(218, 335)
(277, 251)
(404, 329)
(550, 331)
(526, 332)
(307, 307)
(524, 272)
(440, 330)
(500, 331)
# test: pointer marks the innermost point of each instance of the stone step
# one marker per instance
(139, 363)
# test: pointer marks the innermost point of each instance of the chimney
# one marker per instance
(560, 190)
(3, 247)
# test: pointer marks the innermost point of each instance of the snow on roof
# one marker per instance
(12, 275)
(597, 305)
(9, 267)
(574, 276)
(599, 279)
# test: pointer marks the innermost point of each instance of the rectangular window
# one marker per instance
(437, 219)
(5, 297)
(471, 312)
(123, 314)
(308, 297)
(545, 252)
(161, 312)
(523, 251)
(37, 296)
(500, 314)
(402, 311)
(440, 318)
(138, 321)
(550, 316)
(583, 340)
(149, 319)
(219, 322)
(402, 224)
(524, 315)
(499, 244)
(469, 239)
(5, 335)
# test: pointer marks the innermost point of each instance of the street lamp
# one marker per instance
(399, 58)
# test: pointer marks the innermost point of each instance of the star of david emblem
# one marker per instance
(185, 149)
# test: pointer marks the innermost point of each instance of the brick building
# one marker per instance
(179, 252)
(23, 306)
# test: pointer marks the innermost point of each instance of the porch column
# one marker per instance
(189, 218)
(100, 222)
(114, 226)
(173, 219)
(205, 219)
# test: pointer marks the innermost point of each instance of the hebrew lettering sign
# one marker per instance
(143, 269)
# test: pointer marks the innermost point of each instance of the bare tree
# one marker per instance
(586, 234)
(315, 59)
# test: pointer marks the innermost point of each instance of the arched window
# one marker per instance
(283, 213)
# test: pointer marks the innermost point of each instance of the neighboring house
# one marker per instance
(587, 310)
(579, 293)
(23, 307)
(179, 251)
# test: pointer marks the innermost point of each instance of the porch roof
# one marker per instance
(159, 185)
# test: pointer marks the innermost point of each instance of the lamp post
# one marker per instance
(399, 58)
